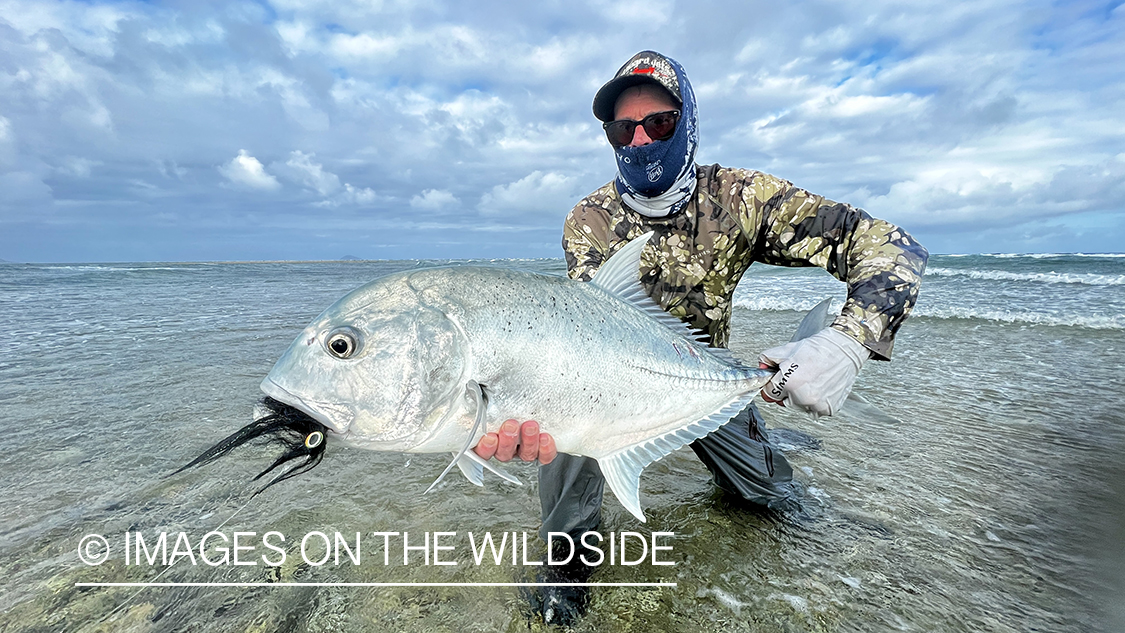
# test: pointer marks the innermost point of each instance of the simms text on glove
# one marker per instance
(815, 374)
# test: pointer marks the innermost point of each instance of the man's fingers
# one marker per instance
(769, 399)
(508, 438)
(547, 451)
(486, 447)
(514, 439)
(529, 441)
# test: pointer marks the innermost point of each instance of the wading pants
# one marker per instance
(738, 455)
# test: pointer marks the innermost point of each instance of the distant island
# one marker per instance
(345, 258)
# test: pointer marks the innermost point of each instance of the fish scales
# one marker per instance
(595, 372)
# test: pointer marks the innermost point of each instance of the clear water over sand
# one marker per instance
(989, 497)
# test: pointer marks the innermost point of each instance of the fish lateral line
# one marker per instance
(732, 374)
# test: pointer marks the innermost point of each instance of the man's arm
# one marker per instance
(881, 263)
(584, 235)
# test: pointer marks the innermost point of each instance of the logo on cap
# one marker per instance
(657, 67)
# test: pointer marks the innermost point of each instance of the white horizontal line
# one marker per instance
(374, 584)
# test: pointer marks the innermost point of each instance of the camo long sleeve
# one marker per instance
(738, 217)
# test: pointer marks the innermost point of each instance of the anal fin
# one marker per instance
(622, 470)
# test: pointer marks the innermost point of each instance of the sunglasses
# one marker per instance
(659, 126)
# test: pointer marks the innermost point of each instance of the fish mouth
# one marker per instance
(334, 416)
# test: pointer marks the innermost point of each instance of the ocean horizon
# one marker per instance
(351, 258)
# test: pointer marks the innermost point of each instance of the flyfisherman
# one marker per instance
(710, 224)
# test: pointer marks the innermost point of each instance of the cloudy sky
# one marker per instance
(315, 129)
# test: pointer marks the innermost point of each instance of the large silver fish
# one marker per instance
(429, 361)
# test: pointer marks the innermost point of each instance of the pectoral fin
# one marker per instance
(471, 464)
(477, 464)
(478, 395)
(472, 471)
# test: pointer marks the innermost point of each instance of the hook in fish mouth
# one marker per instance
(299, 434)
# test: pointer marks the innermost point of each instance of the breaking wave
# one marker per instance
(1092, 321)
(781, 304)
(1088, 279)
(97, 268)
(1035, 255)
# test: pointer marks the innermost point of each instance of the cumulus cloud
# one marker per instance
(247, 171)
(23, 187)
(542, 192)
(302, 169)
(312, 175)
(944, 117)
(77, 166)
(363, 196)
(434, 200)
(974, 197)
(7, 142)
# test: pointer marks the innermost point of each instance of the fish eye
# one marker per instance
(342, 343)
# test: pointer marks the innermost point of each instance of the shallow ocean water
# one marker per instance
(984, 494)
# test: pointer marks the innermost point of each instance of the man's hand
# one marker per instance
(814, 374)
(514, 439)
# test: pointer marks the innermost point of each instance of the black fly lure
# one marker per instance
(299, 435)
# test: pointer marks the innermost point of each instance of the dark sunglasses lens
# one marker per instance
(620, 132)
(660, 127)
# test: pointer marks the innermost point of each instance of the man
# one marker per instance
(710, 224)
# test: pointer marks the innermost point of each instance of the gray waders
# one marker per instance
(738, 455)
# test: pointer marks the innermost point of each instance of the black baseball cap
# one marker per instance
(646, 67)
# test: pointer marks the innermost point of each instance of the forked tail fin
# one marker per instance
(855, 405)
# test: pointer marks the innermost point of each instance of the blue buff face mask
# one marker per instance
(662, 169)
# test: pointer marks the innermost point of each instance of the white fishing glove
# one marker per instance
(815, 374)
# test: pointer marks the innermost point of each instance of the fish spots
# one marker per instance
(682, 347)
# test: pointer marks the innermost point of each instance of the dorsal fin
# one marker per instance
(620, 276)
(621, 272)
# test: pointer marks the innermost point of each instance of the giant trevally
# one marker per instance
(428, 361)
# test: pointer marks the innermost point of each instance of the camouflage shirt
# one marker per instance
(737, 217)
